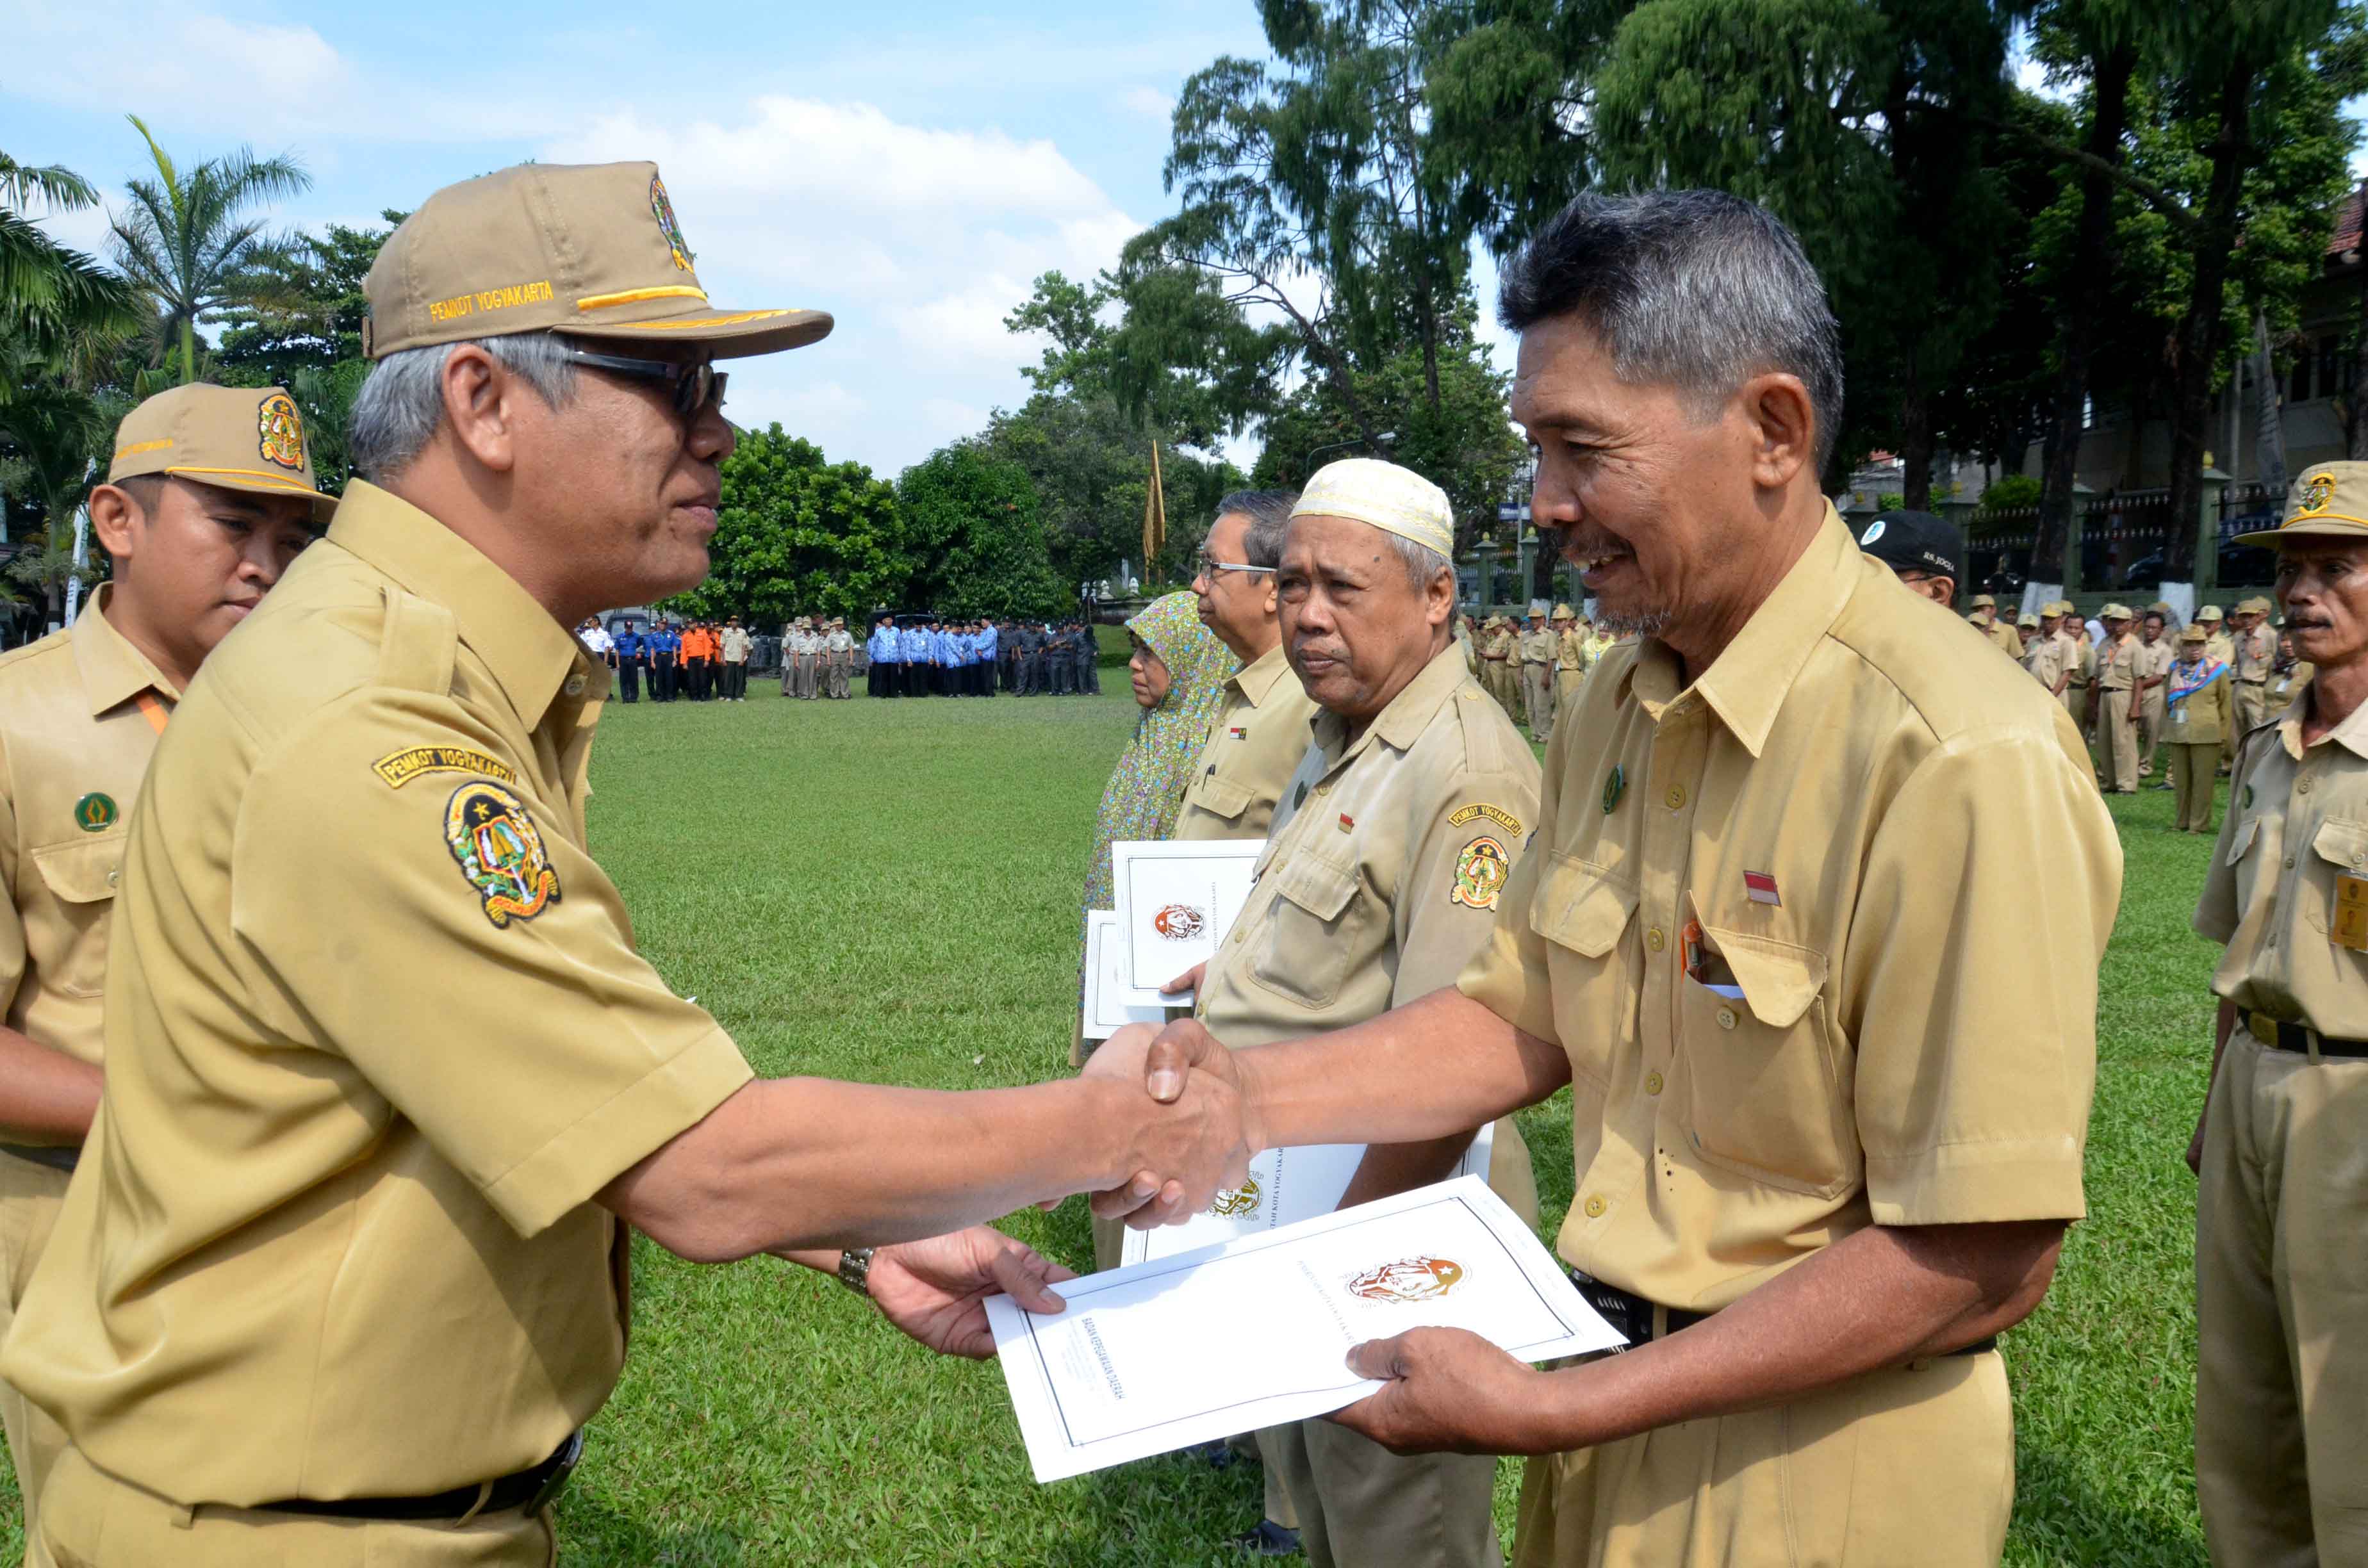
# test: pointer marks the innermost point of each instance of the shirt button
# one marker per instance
(2303, 787)
(112, 872)
(2288, 862)
(1655, 940)
(1677, 796)
(1651, 1083)
(1726, 1018)
(1323, 789)
(574, 687)
(1595, 1206)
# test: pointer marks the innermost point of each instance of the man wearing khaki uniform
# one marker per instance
(2156, 653)
(1379, 881)
(2281, 1277)
(2253, 650)
(2116, 728)
(209, 497)
(386, 1079)
(2080, 665)
(1261, 731)
(2001, 633)
(1497, 667)
(1570, 655)
(838, 658)
(1537, 652)
(1813, 1178)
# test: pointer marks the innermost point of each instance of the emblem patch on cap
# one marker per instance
(280, 431)
(1873, 533)
(2317, 491)
(1419, 1278)
(500, 851)
(1480, 873)
(663, 210)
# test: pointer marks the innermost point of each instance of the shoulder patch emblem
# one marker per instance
(400, 767)
(1496, 815)
(280, 431)
(1480, 873)
(500, 851)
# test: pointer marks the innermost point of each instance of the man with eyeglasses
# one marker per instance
(387, 1081)
(1262, 731)
(1921, 551)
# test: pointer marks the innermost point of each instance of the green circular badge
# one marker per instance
(1614, 786)
(96, 813)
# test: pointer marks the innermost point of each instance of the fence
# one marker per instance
(2126, 541)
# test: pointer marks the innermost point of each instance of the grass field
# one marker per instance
(888, 892)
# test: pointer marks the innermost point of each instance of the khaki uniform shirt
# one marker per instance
(74, 745)
(2008, 638)
(1499, 644)
(736, 643)
(1463, 641)
(2154, 661)
(2117, 664)
(376, 1034)
(1828, 803)
(1385, 866)
(2080, 659)
(2204, 715)
(2295, 832)
(2222, 647)
(1260, 736)
(2285, 685)
(2256, 651)
(840, 646)
(1539, 647)
(2045, 660)
(1570, 651)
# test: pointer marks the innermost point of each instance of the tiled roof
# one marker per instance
(2346, 227)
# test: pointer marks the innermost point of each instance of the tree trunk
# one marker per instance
(188, 349)
(2198, 344)
(1915, 441)
(2270, 433)
(2091, 271)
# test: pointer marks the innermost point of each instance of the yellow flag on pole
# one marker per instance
(1154, 518)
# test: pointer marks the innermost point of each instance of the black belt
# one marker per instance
(1633, 1315)
(58, 1157)
(2300, 1038)
(527, 1490)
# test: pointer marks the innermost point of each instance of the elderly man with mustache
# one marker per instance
(1758, 933)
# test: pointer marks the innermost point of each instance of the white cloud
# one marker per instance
(1148, 101)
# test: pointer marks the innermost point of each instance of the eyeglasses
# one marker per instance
(1206, 565)
(695, 388)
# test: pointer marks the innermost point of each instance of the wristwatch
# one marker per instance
(854, 1270)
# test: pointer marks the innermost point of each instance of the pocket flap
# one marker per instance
(2343, 843)
(1778, 980)
(2242, 839)
(1317, 886)
(1581, 908)
(1224, 797)
(83, 872)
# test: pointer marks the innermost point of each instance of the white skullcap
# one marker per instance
(1396, 500)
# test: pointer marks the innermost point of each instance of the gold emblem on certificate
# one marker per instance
(1417, 1278)
(1240, 1200)
(1180, 922)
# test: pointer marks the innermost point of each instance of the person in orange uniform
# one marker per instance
(210, 496)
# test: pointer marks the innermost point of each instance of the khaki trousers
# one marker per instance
(29, 1197)
(1538, 697)
(1497, 682)
(2117, 742)
(838, 681)
(2076, 702)
(1362, 1504)
(2252, 704)
(2195, 773)
(90, 1519)
(1912, 1465)
(2151, 713)
(2282, 1310)
(1566, 685)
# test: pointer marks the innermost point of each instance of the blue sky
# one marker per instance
(909, 168)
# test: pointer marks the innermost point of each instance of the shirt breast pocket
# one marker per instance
(1767, 1089)
(1582, 910)
(1218, 796)
(1313, 931)
(70, 952)
(2342, 846)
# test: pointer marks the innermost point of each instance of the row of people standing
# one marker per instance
(1533, 671)
(974, 658)
(702, 661)
(817, 659)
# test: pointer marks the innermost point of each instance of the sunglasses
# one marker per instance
(695, 388)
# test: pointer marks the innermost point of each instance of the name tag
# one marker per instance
(2350, 927)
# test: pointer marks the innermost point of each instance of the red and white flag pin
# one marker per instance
(1761, 888)
(1347, 823)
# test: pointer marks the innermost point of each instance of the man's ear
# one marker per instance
(1784, 428)
(114, 519)
(482, 404)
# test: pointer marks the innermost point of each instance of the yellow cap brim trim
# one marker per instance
(2306, 528)
(696, 324)
(635, 296)
(137, 448)
(275, 481)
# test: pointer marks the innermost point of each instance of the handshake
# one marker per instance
(1194, 1133)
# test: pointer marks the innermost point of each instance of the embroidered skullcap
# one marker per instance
(1392, 499)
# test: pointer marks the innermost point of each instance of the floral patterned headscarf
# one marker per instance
(1146, 789)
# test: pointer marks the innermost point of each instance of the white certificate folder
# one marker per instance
(1176, 900)
(1161, 1354)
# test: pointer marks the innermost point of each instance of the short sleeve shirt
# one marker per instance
(1768, 915)
(376, 1033)
(2295, 830)
(80, 711)
(1260, 736)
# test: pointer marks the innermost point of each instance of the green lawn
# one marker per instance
(888, 892)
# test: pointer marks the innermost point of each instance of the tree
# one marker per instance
(186, 239)
(52, 295)
(797, 534)
(969, 522)
(58, 438)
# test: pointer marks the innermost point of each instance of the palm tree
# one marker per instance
(184, 239)
(52, 296)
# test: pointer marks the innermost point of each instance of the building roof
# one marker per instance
(2346, 237)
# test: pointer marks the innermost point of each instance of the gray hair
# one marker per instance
(1267, 515)
(397, 411)
(1692, 288)
(1422, 563)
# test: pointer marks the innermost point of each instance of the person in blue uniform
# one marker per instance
(912, 644)
(885, 660)
(665, 649)
(629, 657)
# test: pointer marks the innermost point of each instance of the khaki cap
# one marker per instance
(2328, 500)
(1983, 601)
(588, 249)
(2254, 605)
(2114, 612)
(2028, 619)
(233, 437)
(2209, 612)
(2193, 634)
(2064, 607)
(1562, 613)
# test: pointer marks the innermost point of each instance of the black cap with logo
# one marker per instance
(1916, 541)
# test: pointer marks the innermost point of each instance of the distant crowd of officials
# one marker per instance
(702, 661)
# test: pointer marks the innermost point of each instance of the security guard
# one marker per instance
(838, 658)
(1379, 881)
(210, 496)
(2116, 729)
(2281, 1277)
(1536, 650)
(2197, 712)
(1261, 731)
(346, 1278)
(1570, 655)
(1813, 1178)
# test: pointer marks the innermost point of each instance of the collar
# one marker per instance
(2352, 735)
(113, 671)
(1401, 722)
(1747, 684)
(530, 655)
(1257, 679)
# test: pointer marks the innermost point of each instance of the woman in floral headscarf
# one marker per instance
(1180, 670)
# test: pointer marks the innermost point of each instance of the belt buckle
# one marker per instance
(562, 1465)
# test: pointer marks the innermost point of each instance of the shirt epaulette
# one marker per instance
(419, 644)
